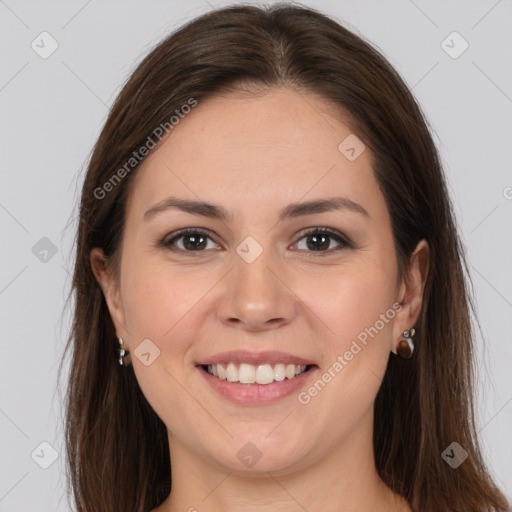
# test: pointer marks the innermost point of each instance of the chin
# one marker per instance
(261, 454)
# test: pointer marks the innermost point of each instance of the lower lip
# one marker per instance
(257, 393)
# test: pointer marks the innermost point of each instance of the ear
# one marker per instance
(111, 291)
(410, 294)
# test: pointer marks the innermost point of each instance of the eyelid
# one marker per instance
(168, 240)
(343, 240)
(324, 229)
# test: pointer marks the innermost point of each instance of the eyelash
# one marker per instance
(338, 237)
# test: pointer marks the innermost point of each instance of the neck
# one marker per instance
(343, 480)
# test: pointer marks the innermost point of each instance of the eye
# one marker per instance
(194, 240)
(320, 240)
(190, 240)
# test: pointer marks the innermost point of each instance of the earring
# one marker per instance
(122, 353)
(406, 346)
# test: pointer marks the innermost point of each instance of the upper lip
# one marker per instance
(255, 358)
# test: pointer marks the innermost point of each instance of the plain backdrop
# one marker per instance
(53, 108)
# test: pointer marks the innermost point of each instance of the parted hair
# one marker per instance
(117, 447)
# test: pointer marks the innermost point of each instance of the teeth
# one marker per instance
(290, 371)
(264, 374)
(231, 373)
(246, 374)
(279, 372)
(250, 374)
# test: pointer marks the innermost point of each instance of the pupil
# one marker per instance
(316, 246)
(197, 241)
(194, 239)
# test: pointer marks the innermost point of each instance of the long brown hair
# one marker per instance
(117, 447)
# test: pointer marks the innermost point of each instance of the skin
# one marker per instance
(254, 154)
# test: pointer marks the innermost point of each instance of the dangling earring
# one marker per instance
(406, 346)
(122, 353)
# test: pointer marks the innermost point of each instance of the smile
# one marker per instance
(252, 378)
(263, 374)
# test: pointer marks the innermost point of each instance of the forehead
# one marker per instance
(244, 145)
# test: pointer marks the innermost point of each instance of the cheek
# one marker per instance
(157, 297)
(351, 300)
(159, 303)
(355, 306)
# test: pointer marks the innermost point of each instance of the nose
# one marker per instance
(257, 297)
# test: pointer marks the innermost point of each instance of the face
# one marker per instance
(265, 286)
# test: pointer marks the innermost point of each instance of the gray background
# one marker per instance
(52, 111)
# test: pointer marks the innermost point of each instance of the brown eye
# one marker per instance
(320, 240)
(192, 240)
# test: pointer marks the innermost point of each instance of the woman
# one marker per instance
(271, 308)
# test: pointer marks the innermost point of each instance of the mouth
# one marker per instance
(262, 374)
(250, 379)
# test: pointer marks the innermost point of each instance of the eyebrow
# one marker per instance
(291, 211)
